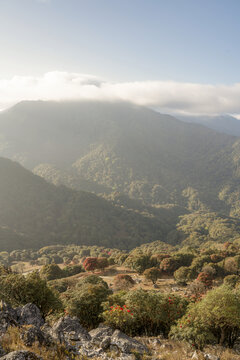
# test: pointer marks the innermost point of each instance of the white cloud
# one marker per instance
(168, 96)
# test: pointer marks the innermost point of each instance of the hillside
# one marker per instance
(106, 147)
(34, 212)
(223, 123)
(149, 170)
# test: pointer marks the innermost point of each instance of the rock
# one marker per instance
(6, 320)
(7, 309)
(21, 355)
(68, 329)
(31, 334)
(105, 344)
(211, 357)
(126, 357)
(29, 314)
(101, 332)
(126, 344)
(90, 353)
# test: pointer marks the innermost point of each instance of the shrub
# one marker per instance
(71, 270)
(139, 262)
(92, 279)
(216, 318)
(119, 317)
(19, 290)
(85, 302)
(152, 274)
(181, 275)
(51, 272)
(231, 280)
(90, 264)
(123, 281)
(205, 279)
(153, 313)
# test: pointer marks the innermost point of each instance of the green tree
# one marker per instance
(51, 272)
(181, 275)
(152, 274)
(216, 318)
(85, 302)
(19, 290)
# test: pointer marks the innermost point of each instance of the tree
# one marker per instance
(205, 279)
(18, 290)
(139, 262)
(231, 280)
(51, 272)
(90, 263)
(123, 282)
(102, 263)
(216, 318)
(152, 274)
(181, 275)
(85, 302)
(92, 279)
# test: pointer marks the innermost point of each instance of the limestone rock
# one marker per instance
(21, 355)
(126, 344)
(29, 314)
(31, 334)
(101, 332)
(68, 329)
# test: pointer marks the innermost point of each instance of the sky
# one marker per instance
(179, 56)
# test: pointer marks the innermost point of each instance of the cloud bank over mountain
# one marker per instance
(167, 96)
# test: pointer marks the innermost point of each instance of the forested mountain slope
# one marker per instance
(34, 213)
(106, 147)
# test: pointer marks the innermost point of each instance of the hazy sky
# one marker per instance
(147, 47)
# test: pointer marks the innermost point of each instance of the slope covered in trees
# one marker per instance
(34, 212)
(150, 169)
(106, 147)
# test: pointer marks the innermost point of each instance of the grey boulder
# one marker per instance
(126, 344)
(29, 314)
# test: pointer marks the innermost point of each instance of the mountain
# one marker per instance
(157, 177)
(34, 213)
(224, 123)
(106, 147)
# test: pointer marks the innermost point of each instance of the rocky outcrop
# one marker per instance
(68, 331)
(126, 344)
(29, 314)
(31, 334)
(21, 355)
(99, 334)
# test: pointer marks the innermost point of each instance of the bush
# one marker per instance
(123, 281)
(51, 272)
(119, 317)
(71, 270)
(153, 313)
(152, 274)
(92, 279)
(231, 280)
(181, 275)
(85, 302)
(205, 279)
(139, 262)
(215, 319)
(17, 290)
